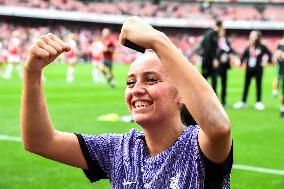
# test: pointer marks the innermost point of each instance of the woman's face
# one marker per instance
(105, 33)
(253, 37)
(150, 96)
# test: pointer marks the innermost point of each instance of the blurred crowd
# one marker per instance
(88, 46)
(173, 9)
(20, 37)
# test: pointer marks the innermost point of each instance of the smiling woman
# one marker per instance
(150, 61)
(160, 85)
(150, 93)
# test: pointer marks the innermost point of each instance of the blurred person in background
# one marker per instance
(279, 81)
(208, 51)
(14, 55)
(278, 61)
(3, 56)
(109, 47)
(85, 42)
(71, 57)
(172, 151)
(223, 56)
(253, 58)
(97, 60)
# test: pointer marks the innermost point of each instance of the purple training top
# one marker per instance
(124, 160)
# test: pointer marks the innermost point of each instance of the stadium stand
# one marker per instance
(227, 11)
(186, 38)
(274, 13)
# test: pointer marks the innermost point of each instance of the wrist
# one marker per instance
(28, 70)
(162, 45)
(32, 76)
(159, 40)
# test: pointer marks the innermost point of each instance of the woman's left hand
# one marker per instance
(139, 32)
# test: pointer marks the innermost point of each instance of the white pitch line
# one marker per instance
(259, 169)
(10, 138)
(235, 166)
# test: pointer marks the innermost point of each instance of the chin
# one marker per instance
(142, 120)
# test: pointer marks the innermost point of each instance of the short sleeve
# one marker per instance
(216, 173)
(98, 151)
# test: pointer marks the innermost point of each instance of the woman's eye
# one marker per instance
(152, 80)
(130, 83)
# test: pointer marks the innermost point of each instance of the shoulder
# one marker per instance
(131, 132)
(246, 49)
(191, 131)
(111, 137)
(209, 33)
(130, 138)
(263, 46)
(190, 136)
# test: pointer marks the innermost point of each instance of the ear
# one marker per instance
(179, 102)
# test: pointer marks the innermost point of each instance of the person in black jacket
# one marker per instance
(223, 56)
(208, 52)
(252, 56)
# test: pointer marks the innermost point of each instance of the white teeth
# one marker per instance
(139, 104)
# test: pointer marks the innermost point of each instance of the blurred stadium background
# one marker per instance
(74, 107)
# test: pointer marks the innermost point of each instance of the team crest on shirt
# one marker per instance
(174, 182)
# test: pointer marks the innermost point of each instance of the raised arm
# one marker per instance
(38, 135)
(215, 135)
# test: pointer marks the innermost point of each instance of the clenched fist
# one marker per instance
(139, 32)
(47, 48)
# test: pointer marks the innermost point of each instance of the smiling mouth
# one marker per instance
(141, 104)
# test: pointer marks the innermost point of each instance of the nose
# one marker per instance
(138, 89)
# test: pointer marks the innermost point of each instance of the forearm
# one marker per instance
(36, 126)
(196, 93)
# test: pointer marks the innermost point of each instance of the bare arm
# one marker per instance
(215, 134)
(38, 135)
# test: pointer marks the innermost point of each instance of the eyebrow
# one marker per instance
(144, 73)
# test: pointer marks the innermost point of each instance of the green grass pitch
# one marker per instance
(258, 135)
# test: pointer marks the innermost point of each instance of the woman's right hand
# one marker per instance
(46, 49)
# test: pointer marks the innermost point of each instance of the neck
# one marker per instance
(162, 136)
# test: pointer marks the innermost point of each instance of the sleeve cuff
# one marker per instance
(219, 169)
(94, 171)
